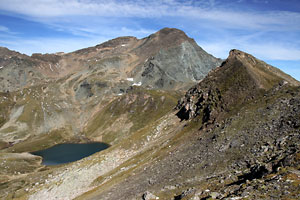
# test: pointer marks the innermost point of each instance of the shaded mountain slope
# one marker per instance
(255, 143)
(240, 79)
(254, 155)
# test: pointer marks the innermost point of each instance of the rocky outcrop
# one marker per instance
(198, 102)
(239, 79)
(149, 196)
(51, 58)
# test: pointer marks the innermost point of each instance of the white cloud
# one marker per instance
(218, 49)
(6, 32)
(277, 54)
(4, 29)
(264, 51)
(273, 51)
(51, 45)
(55, 10)
(85, 37)
(106, 19)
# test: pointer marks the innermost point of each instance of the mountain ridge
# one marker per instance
(239, 79)
(234, 132)
(65, 93)
(125, 54)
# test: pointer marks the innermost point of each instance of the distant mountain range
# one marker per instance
(181, 123)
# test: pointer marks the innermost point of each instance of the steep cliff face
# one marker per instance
(181, 63)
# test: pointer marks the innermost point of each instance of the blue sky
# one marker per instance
(267, 29)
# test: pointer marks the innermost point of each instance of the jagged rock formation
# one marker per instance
(235, 134)
(240, 79)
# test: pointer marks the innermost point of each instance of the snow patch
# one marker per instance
(137, 84)
(51, 67)
(129, 79)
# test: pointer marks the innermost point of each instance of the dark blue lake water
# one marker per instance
(65, 153)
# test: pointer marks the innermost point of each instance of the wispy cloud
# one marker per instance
(52, 45)
(88, 20)
(51, 10)
(3, 29)
(265, 51)
(260, 44)
(6, 30)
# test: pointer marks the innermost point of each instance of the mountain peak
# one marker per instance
(240, 79)
(169, 31)
(172, 57)
(172, 34)
(244, 57)
(237, 53)
(168, 37)
(264, 74)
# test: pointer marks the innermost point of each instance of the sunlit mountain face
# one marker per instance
(266, 29)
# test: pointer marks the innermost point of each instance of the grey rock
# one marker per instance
(149, 196)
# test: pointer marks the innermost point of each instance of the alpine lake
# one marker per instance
(66, 153)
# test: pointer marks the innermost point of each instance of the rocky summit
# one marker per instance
(181, 124)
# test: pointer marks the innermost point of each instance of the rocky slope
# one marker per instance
(104, 93)
(57, 97)
(240, 79)
(242, 145)
(234, 135)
